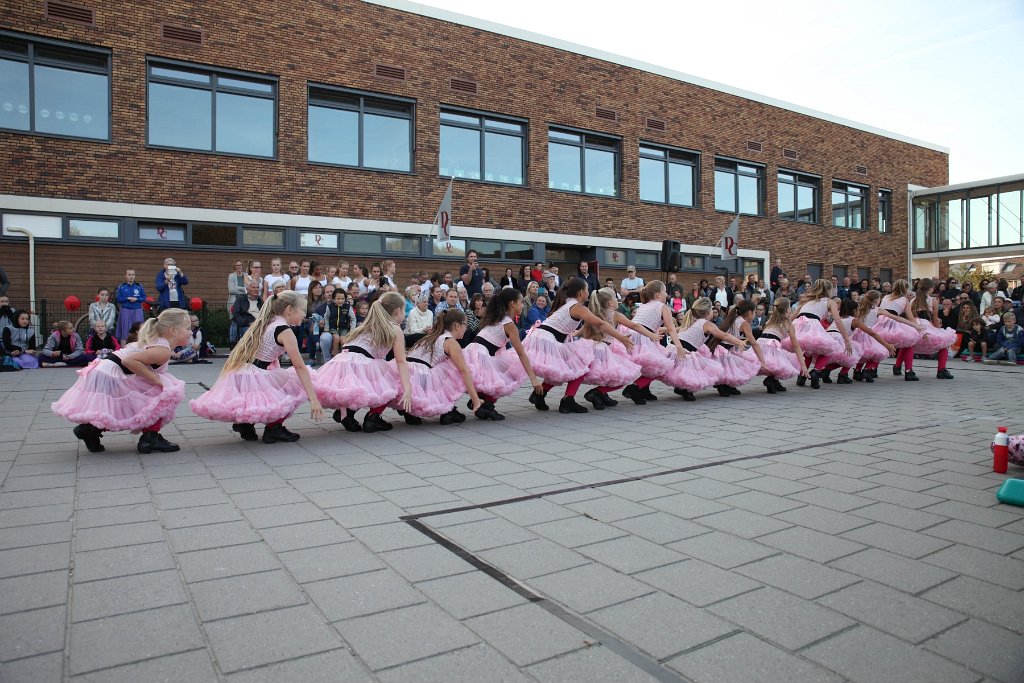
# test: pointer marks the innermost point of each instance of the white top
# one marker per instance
(270, 281)
(818, 307)
(649, 315)
(434, 355)
(495, 334)
(694, 335)
(418, 321)
(871, 318)
(302, 284)
(562, 320)
(343, 282)
(722, 297)
(632, 283)
(894, 303)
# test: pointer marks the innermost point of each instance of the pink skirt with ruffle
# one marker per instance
(694, 372)
(935, 339)
(555, 361)
(870, 350)
(494, 376)
(251, 395)
(351, 380)
(104, 396)
(898, 334)
(612, 366)
(737, 367)
(814, 340)
(843, 359)
(778, 362)
(435, 390)
(648, 354)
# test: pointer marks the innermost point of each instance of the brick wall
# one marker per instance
(340, 42)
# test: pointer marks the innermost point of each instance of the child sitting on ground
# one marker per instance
(976, 340)
(63, 347)
(1008, 342)
(100, 342)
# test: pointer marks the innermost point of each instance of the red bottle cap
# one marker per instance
(1001, 429)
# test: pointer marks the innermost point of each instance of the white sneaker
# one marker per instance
(1008, 362)
(989, 361)
(60, 364)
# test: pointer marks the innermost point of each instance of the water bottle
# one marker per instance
(1000, 451)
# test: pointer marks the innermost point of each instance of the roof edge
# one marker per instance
(1002, 180)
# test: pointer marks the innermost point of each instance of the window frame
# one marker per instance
(884, 201)
(30, 58)
(363, 96)
(215, 73)
(94, 219)
(484, 117)
(800, 179)
(694, 164)
(583, 145)
(736, 173)
(882, 271)
(811, 267)
(865, 198)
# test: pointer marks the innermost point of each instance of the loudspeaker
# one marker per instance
(671, 258)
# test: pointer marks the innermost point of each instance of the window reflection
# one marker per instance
(180, 117)
(333, 136)
(460, 152)
(14, 95)
(739, 187)
(245, 125)
(600, 172)
(386, 143)
(652, 180)
(583, 162)
(350, 129)
(479, 147)
(564, 168)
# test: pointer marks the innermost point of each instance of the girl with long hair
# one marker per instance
(873, 348)
(612, 367)
(698, 369)
(816, 305)
(844, 361)
(936, 339)
(737, 368)
(361, 376)
(130, 389)
(438, 372)
(555, 354)
(650, 317)
(778, 363)
(898, 327)
(253, 387)
(498, 371)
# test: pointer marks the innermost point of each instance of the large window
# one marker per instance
(54, 88)
(815, 270)
(839, 272)
(884, 211)
(668, 176)
(885, 275)
(482, 147)
(849, 205)
(739, 187)
(196, 108)
(354, 129)
(583, 162)
(798, 196)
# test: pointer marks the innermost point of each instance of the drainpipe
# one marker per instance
(31, 272)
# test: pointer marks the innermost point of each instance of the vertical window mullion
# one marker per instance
(583, 164)
(668, 181)
(359, 131)
(482, 132)
(31, 87)
(213, 112)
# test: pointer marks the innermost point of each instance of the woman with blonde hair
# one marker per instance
(130, 389)
(253, 387)
(361, 376)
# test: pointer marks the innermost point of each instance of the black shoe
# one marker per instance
(152, 441)
(722, 390)
(686, 394)
(826, 376)
(844, 379)
(538, 400)
(145, 444)
(568, 404)
(943, 374)
(608, 400)
(896, 372)
(594, 396)
(769, 385)
(858, 375)
(648, 394)
(336, 416)
(868, 379)
(459, 417)
(911, 376)
(278, 433)
(778, 385)
(91, 436)
(448, 418)
(733, 391)
(245, 430)
(801, 380)
(815, 380)
(487, 412)
(411, 419)
(350, 423)
(375, 423)
(633, 393)
(874, 373)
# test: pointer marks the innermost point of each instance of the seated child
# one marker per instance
(100, 342)
(195, 350)
(976, 339)
(1008, 342)
(18, 350)
(63, 348)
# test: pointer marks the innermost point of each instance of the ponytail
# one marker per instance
(730, 319)
(246, 348)
(497, 307)
(169, 319)
(697, 310)
(650, 289)
(443, 322)
(780, 314)
(599, 301)
(924, 288)
(569, 289)
(379, 323)
(865, 305)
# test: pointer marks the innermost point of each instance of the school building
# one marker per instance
(210, 131)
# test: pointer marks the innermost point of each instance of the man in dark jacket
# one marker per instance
(169, 284)
(584, 274)
(246, 308)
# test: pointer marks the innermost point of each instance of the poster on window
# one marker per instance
(450, 248)
(318, 240)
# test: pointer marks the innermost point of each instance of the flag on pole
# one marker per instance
(442, 227)
(731, 240)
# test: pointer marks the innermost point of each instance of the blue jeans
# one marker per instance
(1004, 354)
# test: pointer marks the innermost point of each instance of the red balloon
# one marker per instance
(72, 303)
(148, 303)
(196, 304)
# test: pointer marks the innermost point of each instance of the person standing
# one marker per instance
(590, 278)
(773, 278)
(275, 277)
(129, 297)
(722, 294)
(169, 284)
(471, 274)
(236, 290)
(631, 283)
(4, 281)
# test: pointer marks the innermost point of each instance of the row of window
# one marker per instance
(979, 218)
(54, 89)
(817, 270)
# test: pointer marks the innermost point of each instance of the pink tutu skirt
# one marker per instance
(737, 368)
(898, 334)
(612, 366)
(104, 396)
(648, 354)
(870, 350)
(555, 361)
(778, 362)
(814, 340)
(935, 339)
(351, 380)
(494, 376)
(843, 359)
(435, 390)
(694, 372)
(252, 395)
